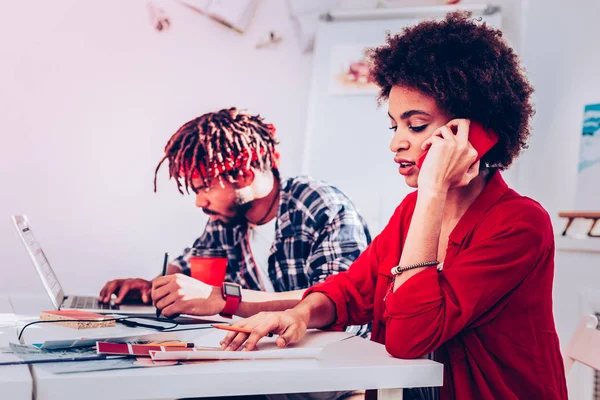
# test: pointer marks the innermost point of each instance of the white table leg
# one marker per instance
(389, 394)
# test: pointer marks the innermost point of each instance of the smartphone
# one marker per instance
(480, 138)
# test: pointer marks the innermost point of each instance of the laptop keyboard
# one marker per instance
(90, 303)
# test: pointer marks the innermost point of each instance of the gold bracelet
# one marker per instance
(397, 270)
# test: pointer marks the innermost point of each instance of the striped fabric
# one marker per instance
(318, 232)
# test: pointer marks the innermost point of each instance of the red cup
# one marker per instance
(208, 266)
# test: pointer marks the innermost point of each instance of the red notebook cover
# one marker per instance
(135, 349)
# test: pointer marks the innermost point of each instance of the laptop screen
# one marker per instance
(39, 260)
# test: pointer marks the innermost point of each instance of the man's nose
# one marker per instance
(202, 200)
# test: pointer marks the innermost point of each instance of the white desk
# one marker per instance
(15, 380)
(347, 365)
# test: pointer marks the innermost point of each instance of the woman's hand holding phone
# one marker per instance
(451, 161)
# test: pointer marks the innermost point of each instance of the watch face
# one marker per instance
(232, 290)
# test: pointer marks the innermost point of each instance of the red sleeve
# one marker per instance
(431, 308)
(353, 290)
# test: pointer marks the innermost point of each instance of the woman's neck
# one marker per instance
(460, 199)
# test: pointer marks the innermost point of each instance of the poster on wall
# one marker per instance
(349, 71)
(588, 178)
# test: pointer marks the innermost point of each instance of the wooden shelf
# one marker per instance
(572, 216)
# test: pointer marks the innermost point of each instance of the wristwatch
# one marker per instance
(232, 293)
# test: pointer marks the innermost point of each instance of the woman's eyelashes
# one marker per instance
(419, 128)
(416, 129)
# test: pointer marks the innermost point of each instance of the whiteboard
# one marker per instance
(347, 138)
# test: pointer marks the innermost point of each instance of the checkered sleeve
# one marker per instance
(340, 238)
(211, 238)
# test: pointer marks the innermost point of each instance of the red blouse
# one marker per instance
(488, 314)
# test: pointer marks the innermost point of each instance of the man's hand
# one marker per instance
(180, 294)
(290, 325)
(126, 288)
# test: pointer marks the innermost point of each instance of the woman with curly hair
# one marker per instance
(465, 266)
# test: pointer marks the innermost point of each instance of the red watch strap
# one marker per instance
(231, 305)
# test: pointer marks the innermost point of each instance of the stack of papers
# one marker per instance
(205, 348)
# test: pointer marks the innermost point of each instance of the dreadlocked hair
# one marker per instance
(219, 145)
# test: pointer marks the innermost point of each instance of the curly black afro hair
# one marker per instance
(471, 72)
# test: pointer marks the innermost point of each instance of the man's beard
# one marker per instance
(238, 216)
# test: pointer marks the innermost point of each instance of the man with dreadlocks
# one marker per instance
(229, 160)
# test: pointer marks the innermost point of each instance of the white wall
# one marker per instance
(562, 60)
(89, 95)
(576, 293)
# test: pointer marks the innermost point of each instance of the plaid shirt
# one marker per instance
(318, 232)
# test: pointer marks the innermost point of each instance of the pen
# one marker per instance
(164, 272)
(167, 344)
(236, 329)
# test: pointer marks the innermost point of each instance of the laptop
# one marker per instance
(55, 290)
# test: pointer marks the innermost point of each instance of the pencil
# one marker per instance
(164, 272)
(236, 329)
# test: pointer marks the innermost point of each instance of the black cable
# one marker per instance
(121, 320)
(65, 320)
